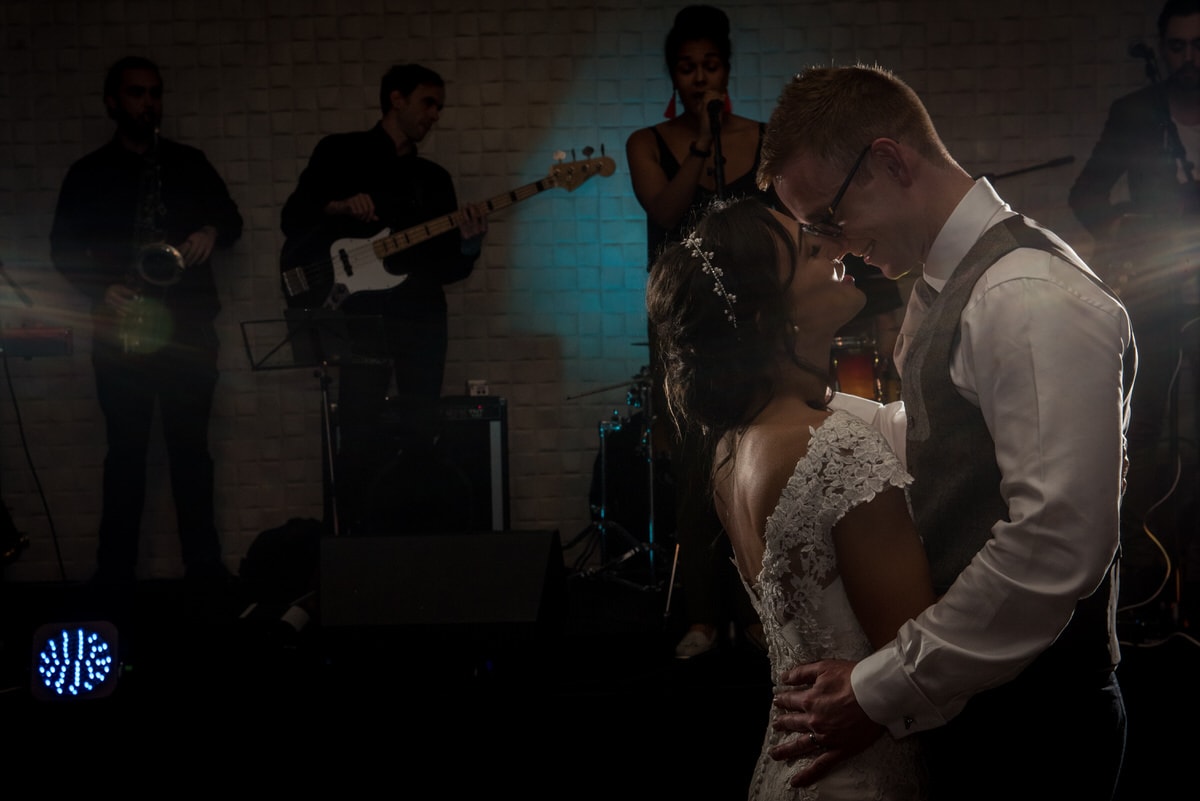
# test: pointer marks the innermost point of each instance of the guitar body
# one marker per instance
(349, 266)
(1146, 258)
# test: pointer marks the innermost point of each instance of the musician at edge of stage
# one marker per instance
(355, 185)
(1151, 137)
(136, 227)
(1147, 248)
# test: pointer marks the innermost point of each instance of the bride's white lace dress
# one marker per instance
(804, 610)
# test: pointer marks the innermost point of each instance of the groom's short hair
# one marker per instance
(834, 112)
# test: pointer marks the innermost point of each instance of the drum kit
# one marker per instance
(632, 494)
(856, 369)
(632, 498)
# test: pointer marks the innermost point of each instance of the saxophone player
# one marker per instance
(121, 210)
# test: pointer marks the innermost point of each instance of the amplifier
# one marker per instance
(474, 436)
(441, 469)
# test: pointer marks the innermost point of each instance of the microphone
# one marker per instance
(715, 107)
(1141, 50)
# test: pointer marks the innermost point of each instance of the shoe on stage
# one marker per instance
(696, 642)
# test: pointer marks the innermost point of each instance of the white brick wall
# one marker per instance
(554, 307)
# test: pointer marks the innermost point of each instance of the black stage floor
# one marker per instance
(586, 701)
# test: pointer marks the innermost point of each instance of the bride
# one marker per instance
(745, 310)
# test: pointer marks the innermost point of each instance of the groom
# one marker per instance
(1016, 367)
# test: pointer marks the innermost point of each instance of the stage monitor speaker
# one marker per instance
(506, 581)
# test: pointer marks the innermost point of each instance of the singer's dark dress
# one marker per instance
(742, 186)
(713, 590)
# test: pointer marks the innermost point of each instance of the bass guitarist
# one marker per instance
(356, 184)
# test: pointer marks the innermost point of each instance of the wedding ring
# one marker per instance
(812, 737)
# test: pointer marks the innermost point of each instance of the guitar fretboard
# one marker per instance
(390, 245)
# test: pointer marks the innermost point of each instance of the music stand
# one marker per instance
(318, 339)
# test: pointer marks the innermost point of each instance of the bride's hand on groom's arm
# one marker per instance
(817, 704)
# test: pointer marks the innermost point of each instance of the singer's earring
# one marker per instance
(670, 113)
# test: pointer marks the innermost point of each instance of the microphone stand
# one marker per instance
(1177, 152)
(714, 123)
(993, 177)
(1140, 50)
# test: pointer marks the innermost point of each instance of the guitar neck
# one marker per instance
(402, 240)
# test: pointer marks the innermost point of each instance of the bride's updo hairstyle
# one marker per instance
(716, 306)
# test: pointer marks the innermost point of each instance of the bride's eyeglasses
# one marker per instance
(826, 227)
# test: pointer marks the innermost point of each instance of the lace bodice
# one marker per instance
(805, 613)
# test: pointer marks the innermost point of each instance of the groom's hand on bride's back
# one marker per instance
(817, 704)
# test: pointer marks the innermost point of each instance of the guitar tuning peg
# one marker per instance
(559, 156)
(601, 148)
(588, 151)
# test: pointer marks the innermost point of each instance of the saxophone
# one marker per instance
(147, 326)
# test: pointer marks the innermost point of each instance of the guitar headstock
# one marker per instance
(570, 175)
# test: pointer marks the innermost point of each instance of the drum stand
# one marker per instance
(597, 533)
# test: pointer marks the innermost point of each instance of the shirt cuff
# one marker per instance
(862, 408)
(886, 692)
(889, 420)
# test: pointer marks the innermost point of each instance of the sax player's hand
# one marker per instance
(120, 297)
(199, 246)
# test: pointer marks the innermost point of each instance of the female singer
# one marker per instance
(700, 152)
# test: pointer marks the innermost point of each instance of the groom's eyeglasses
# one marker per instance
(826, 227)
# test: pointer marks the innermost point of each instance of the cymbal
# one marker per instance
(597, 391)
(639, 382)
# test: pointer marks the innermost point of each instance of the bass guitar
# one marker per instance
(357, 265)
